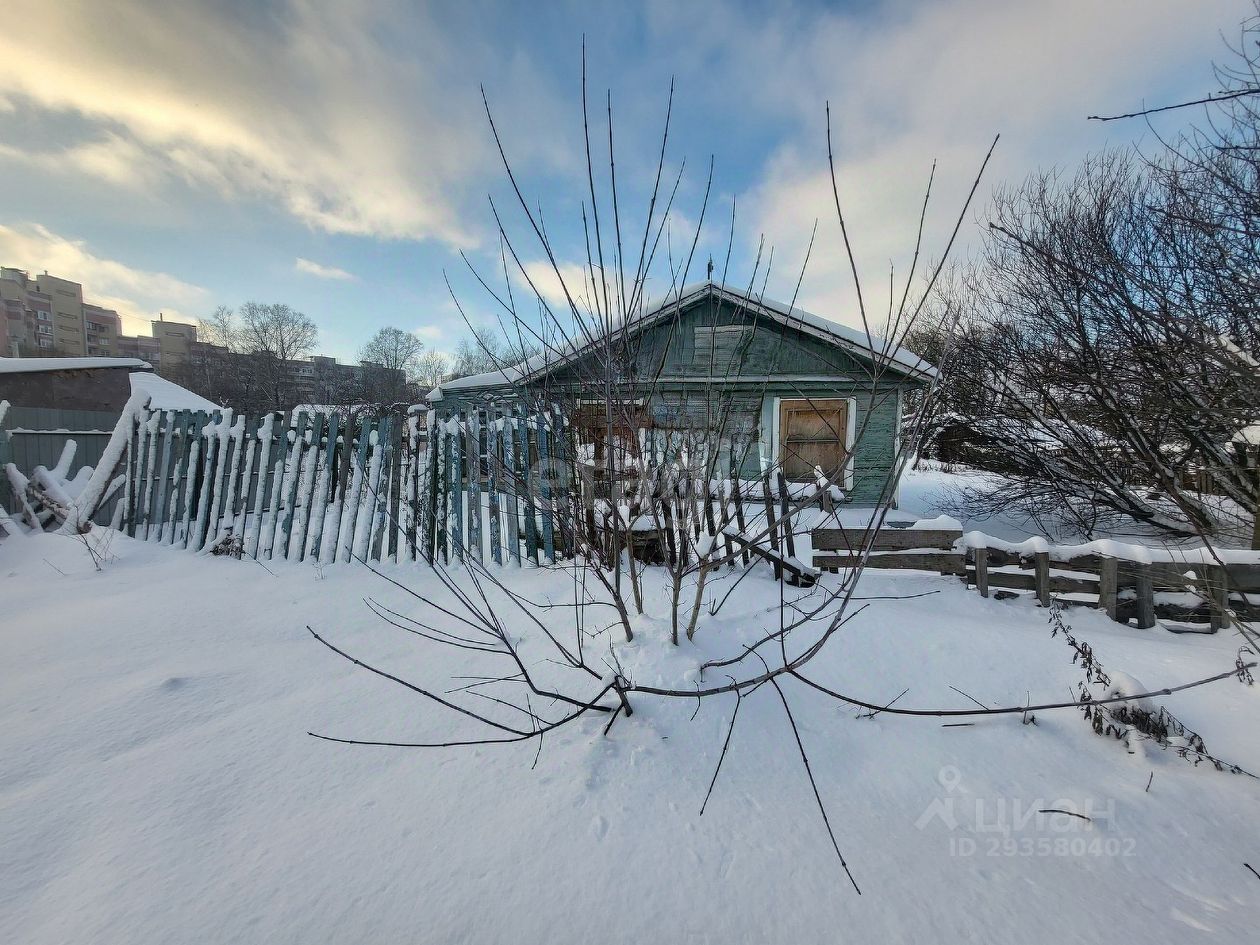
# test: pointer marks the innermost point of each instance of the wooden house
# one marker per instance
(798, 390)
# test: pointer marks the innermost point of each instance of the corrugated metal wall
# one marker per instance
(35, 436)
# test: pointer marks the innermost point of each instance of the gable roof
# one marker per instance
(849, 339)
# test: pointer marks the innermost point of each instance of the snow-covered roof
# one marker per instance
(28, 365)
(165, 395)
(843, 336)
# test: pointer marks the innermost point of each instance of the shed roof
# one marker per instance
(167, 395)
(29, 365)
(852, 339)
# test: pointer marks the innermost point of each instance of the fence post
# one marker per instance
(1145, 596)
(1041, 566)
(1218, 589)
(1108, 585)
(981, 558)
(785, 519)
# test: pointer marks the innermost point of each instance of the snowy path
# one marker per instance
(157, 782)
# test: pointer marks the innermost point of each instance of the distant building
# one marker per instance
(45, 316)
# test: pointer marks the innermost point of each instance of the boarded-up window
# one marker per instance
(812, 434)
(718, 348)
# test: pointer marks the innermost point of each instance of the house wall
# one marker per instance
(80, 389)
(773, 361)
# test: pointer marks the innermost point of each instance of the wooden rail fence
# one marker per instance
(1128, 591)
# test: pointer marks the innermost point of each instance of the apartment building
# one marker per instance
(46, 315)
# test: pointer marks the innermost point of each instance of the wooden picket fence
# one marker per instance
(501, 484)
(322, 486)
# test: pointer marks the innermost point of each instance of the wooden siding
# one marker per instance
(774, 361)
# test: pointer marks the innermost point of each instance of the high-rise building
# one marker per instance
(45, 315)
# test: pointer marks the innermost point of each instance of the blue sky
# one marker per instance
(174, 156)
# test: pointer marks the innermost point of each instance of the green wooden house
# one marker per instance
(796, 389)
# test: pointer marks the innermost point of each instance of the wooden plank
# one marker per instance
(1055, 584)
(266, 438)
(378, 505)
(473, 439)
(158, 517)
(797, 575)
(458, 452)
(170, 459)
(886, 539)
(225, 507)
(148, 462)
(306, 491)
(772, 529)
(981, 558)
(195, 476)
(1042, 577)
(213, 482)
(1145, 598)
(354, 492)
(286, 514)
(493, 480)
(1107, 587)
(737, 496)
(133, 483)
(785, 516)
(323, 483)
(563, 461)
(942, 562)
(249, 443)
(544, 480)
(432, 451)
(179, 476)
(397, 459)
(1218, 597)
(512, 486)
(531, 524)
(444, 491)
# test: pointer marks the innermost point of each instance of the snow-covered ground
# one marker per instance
(157, 782)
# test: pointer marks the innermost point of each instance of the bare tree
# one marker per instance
(394, 349)
(1108, 363)
(433, 367)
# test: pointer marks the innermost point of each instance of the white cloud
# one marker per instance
(304, 105)
(320, 271)
(551, 287)
(136, 294)
(428, 332)
(910, 82)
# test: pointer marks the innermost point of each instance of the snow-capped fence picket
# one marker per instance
(505, 484)
(318, 485)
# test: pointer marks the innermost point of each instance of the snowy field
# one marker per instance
(157, 782)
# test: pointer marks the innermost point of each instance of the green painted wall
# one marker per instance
(768, 361)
